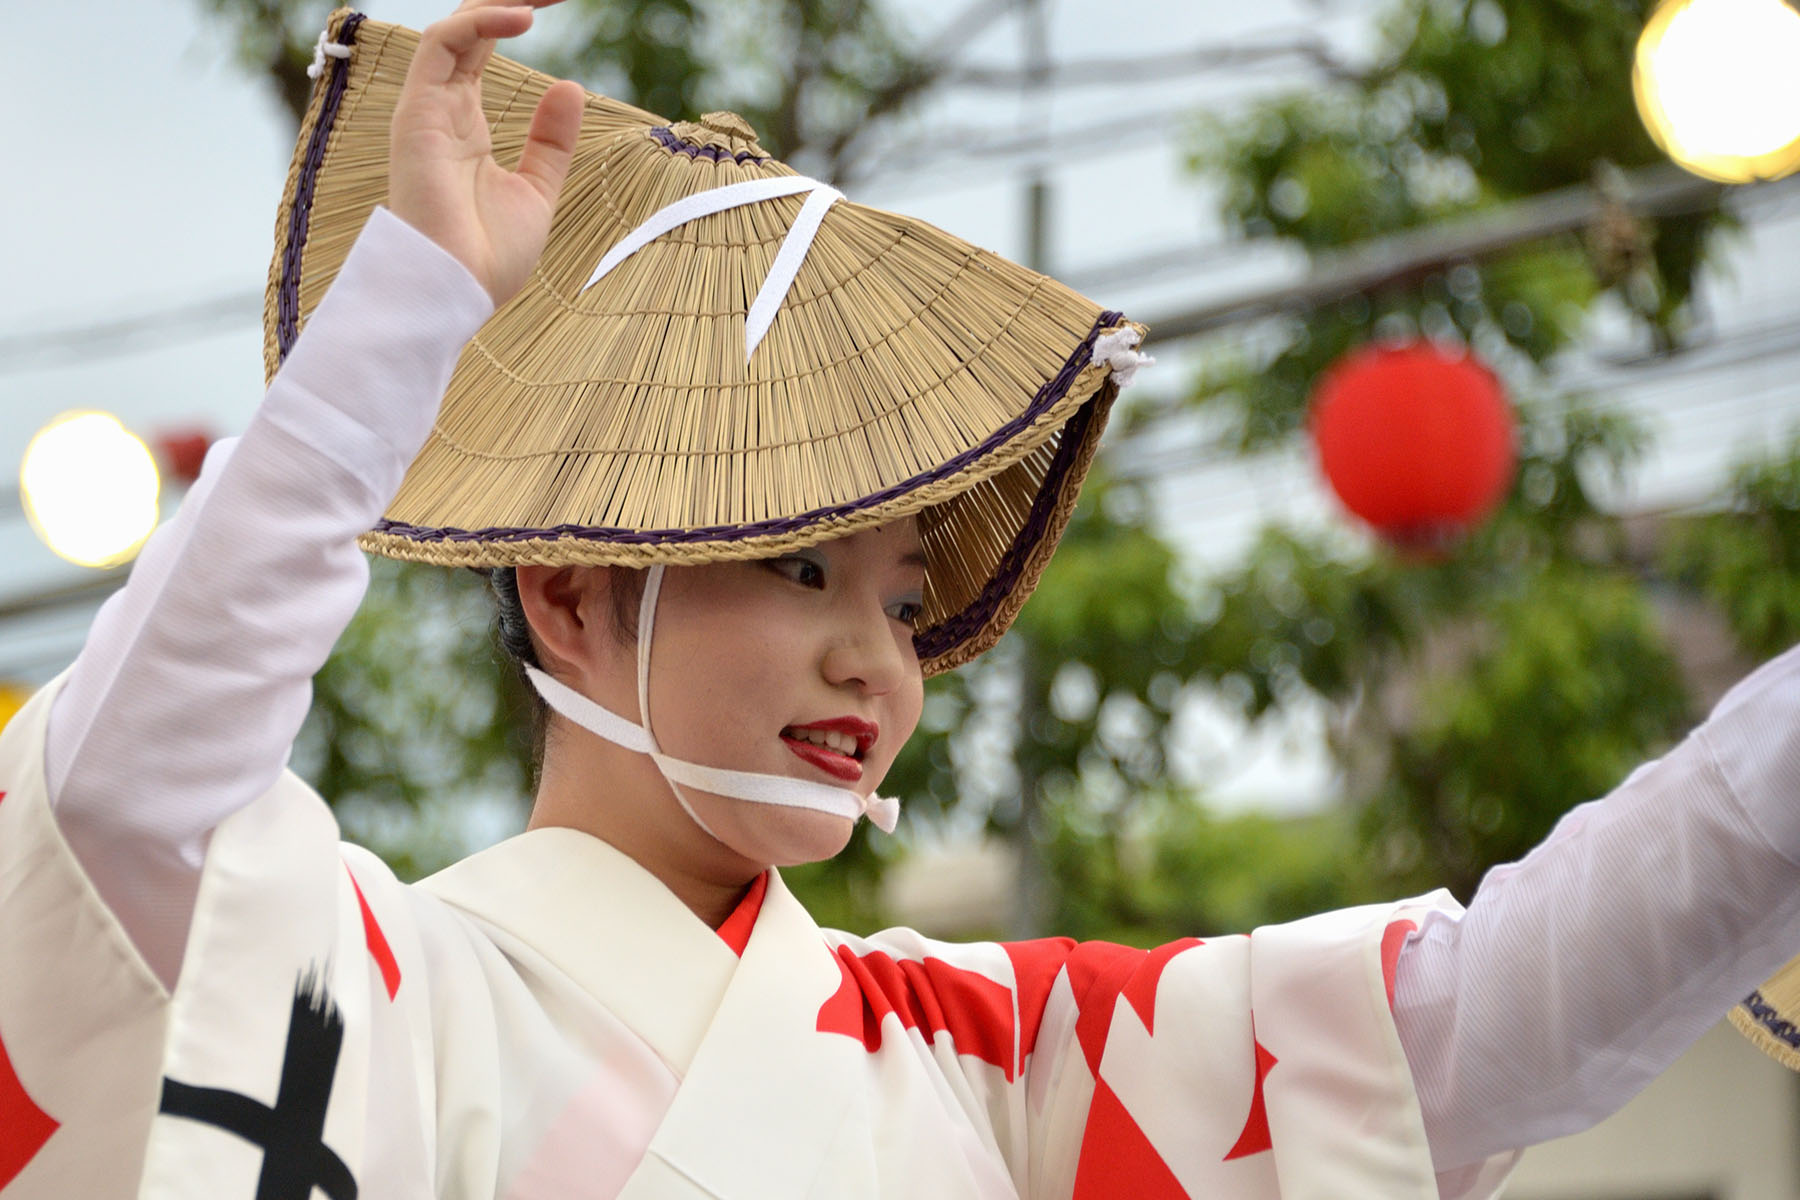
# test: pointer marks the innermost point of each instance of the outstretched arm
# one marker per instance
(1582, 971)
(196, 676)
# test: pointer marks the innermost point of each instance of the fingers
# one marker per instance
(469, 4)
(555, 127)
(460, 45)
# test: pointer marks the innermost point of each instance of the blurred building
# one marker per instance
(1718, 1125)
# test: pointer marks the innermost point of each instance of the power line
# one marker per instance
(1662, 190)
(1150, 68)
(906, 161)
(1655, 191)
(1153, 459)
(127, 335)
(90, 587)
(1745, 347)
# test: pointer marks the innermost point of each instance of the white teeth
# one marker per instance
(843, 743)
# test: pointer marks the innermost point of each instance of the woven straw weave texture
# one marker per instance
(906, 373)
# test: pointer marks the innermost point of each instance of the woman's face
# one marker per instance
(798, 665)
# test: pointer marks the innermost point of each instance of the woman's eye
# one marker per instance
(907, 612)
(803, 571)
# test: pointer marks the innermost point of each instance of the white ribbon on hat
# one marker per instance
(754, 786)
(782, 271)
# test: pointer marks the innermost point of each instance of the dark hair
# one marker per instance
(512, 630)
(512, 633)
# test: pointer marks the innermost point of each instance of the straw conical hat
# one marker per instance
(904, 372)
(1770, 1016)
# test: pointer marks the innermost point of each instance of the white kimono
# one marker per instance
(546, 1021)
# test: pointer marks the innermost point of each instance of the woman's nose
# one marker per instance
(869, 655)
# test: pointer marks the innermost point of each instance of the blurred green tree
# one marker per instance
(1473, 697)
(1746, 559)
(419, 734)
(1165, 867)
(1478, 695)
(810, 75)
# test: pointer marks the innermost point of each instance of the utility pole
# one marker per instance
(1034, 885)
(1036, 96)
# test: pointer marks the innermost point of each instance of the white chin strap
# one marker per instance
(754, 786)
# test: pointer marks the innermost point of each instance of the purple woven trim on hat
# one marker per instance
(1769, 1019)
(666, 136)
(1048, 395)
(960, 627)
(287, 295)
(939, 638)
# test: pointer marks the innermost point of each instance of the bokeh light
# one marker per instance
(12, 699)
(90, 488)
(1718, 87)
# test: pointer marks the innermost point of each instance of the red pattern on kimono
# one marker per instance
(1112, 1007)
(735, 931)
(546, 1019)
(978, 1015)
(1256, 1138)
(1392, 939)
(24, 1127)
(379, 950)
(931, 996)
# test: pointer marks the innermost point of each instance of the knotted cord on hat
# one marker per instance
(1118, 350)
(322, 49)
(782, 271)
(754, 786)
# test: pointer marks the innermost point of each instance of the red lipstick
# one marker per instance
(842, 766)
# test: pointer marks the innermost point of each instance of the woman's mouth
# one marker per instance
(836, 746)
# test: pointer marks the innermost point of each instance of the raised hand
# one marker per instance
(442, 177)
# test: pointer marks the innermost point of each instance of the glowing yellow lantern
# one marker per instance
(90, 488)
(1718, 86)
(12, 699)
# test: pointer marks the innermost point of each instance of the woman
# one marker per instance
(201, 993)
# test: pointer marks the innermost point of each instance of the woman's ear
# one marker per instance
(567, 609)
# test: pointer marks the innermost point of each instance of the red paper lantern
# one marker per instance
(1416, 439)
(181, 451)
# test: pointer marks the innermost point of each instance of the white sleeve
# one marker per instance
(196, 676)
(1582, 971)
